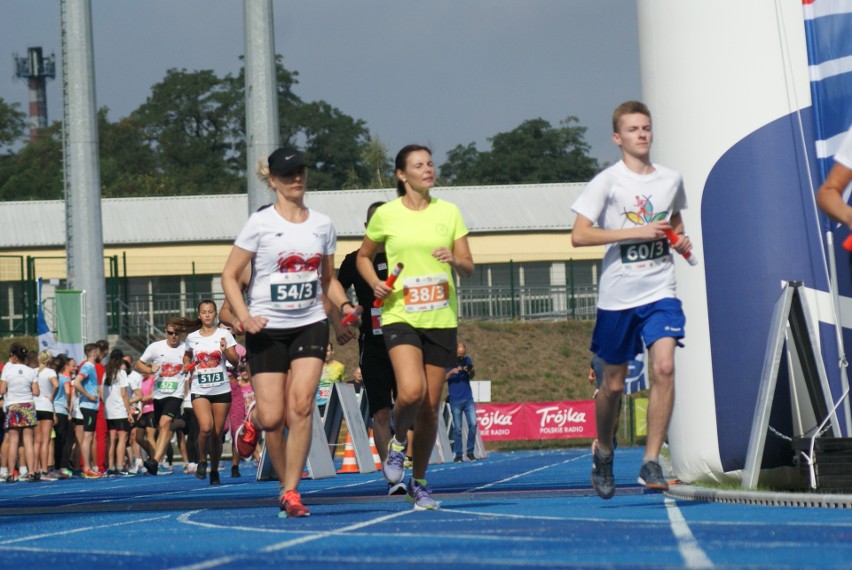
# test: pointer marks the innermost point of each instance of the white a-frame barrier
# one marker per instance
(319, 464)
(812, 406)
(343, 405)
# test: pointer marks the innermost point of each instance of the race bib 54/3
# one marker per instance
(293, 290)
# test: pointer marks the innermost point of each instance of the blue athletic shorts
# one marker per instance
(618, 335)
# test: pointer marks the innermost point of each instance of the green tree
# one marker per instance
(12, 123)
(378, 164)
(189, 137)
(190, 120)
(128, 163)
(333, 141)
(333, 144)
(533, 152)
(462, 166)
(35, 171)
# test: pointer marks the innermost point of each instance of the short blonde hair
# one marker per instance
(628, 108)
(44, 358)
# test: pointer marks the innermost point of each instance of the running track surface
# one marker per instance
(520, 509)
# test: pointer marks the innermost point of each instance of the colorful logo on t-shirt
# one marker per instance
(169, 370)
(209, 359)
(295, 262)
(644, 213)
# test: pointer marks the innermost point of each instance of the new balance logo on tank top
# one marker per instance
(635, 272)
(285, 284)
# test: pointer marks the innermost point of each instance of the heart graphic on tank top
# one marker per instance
(208, 359)
(292, 262)
(168, 370)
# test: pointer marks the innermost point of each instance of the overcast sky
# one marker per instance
(439, 72)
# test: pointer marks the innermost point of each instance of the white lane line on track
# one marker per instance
(526, 473)
(321, 535)
(184, 518)
(54, 534)
(693, 555)
(69, 551)
(286, 544)
(462, 510)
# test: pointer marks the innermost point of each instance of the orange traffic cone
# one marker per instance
(375, 451)
(349, 463)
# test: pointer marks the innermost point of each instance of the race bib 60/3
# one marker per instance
(643, 255)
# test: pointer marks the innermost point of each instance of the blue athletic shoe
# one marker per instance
(421, 496)
(603, 479)
(392, 468)
(651, 475)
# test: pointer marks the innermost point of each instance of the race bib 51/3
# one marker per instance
(213, 377)
(293, 290)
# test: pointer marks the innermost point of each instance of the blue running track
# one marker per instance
(520, 509)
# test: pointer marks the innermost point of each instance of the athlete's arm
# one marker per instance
(368, 272)
(460, 257)
(237, 262)
(683, 244)
(584, 233)
(337, 299)
(830, 195)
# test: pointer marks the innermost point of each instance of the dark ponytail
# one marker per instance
(19, 351)
(116, 360)
(60, 361)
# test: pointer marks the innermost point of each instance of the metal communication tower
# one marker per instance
(36, 69)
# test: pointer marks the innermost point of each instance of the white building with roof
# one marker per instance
(177, 245)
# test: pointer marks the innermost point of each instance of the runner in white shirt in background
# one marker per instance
(164, 359)
(208, 346)
(47, 385)
(134, 395)
(19, 384)
(117, 411)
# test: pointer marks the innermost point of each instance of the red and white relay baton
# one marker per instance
(352, 317)
(673, 239)
(847, 243)
(389, 282)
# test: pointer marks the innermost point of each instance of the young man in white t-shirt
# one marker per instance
(627, 207)
(830, 194)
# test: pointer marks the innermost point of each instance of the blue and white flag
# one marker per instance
(828, 33)
(637, 377)
(45, 336)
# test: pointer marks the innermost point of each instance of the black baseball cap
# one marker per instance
(286, 160)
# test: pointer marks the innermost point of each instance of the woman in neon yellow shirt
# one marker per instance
(419, 315)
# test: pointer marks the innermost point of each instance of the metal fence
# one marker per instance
(140, 319)
(528, 302)
(144, 316)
